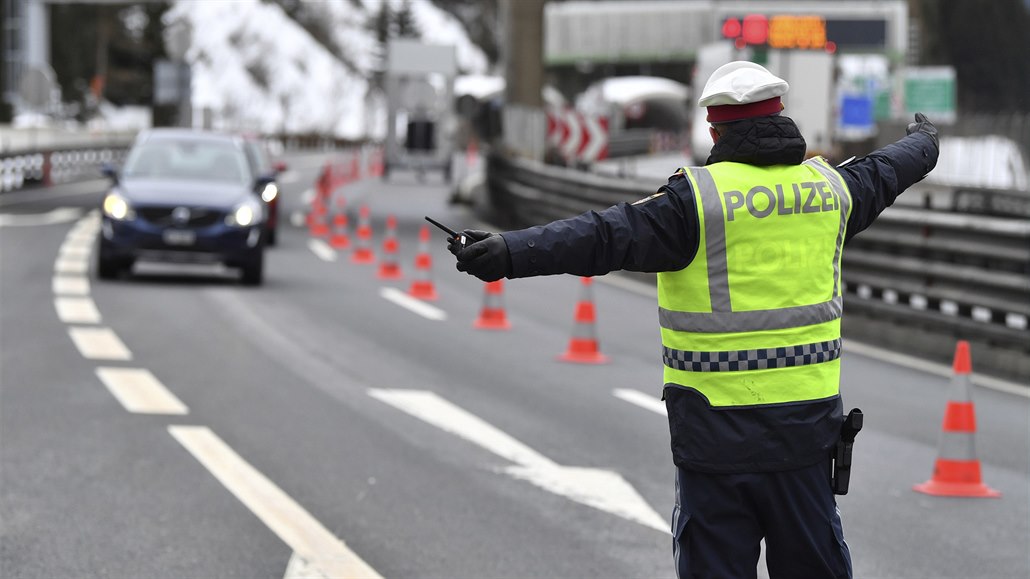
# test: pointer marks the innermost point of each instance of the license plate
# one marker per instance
(179, 237)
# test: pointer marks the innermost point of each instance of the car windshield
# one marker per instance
(197, 159)
(258, 158)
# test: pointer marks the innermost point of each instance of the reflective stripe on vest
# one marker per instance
(762, 359)
(756, 320)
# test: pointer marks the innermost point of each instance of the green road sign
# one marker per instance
(931, 90)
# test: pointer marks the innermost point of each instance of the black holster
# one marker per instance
(840, 457)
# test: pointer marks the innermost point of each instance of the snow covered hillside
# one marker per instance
(255, 68)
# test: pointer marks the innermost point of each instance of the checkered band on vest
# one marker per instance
(736, 360)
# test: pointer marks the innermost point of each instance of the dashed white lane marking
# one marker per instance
(322, 250)
(288, 177)
(75, 250)
(77, 310)
(287, 519)
(70, 285)
(140, 391)
(58, 215)
(99, 344)
(642, 400)
(85, 226)
(71, 265)
(601, 489)
(81, 236)
(307, 196)
(297, 219)
(415, 305)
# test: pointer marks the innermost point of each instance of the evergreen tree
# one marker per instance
(380, 24)
(106, 49)
(405, 22)
(987, 44)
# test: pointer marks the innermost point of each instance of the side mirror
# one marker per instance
(280, 166)
(108, 170)
(265, 188)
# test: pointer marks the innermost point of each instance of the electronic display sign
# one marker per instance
(805, 32)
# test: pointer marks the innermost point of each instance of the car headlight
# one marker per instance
(117, 208)
(243, 216)
(269, 193)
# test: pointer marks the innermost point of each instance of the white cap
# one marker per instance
(742, 83)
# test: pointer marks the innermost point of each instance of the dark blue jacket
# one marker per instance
(661, 234)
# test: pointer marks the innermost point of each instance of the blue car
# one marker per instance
(187, 197)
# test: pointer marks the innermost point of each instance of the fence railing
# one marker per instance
(927, 269)
(54, 166)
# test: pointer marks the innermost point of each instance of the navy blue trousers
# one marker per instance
(720, 520)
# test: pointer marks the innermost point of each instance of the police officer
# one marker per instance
(748, 251)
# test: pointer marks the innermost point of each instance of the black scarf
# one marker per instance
(761, 141)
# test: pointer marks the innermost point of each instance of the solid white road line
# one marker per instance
(139, 391)
(70, 285)
(943, 370)
(322, 250)
(77, 310)
(433, 409)
(58, 215)
(71, 265)
(300, 568)
(642, 400)
(416, 305)
(598, 488)
(287, 519)
(99, 344)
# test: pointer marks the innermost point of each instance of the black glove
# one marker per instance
(486, 257)
(923, 125)
(472, 235)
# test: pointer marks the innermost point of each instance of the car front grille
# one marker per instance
(168, 217)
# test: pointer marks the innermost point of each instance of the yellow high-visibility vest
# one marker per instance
(755, 318)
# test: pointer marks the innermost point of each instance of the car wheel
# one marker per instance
(270, 237)
(109, 267)
(253, 270)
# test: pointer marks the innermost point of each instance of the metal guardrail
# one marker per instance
(931, 274)
(58, 162)
(58, 165)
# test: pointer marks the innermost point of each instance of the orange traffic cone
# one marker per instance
(378, 164)
(583, 347)
(388, 266)
(355, 168)
(492, 316)
(339, 239)
(363, 251)
(422, 286)
(317, 220)
(957, 470)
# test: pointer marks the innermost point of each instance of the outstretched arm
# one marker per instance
(877, 179)
(659, 233)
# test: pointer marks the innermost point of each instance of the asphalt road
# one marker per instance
(322, 423)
